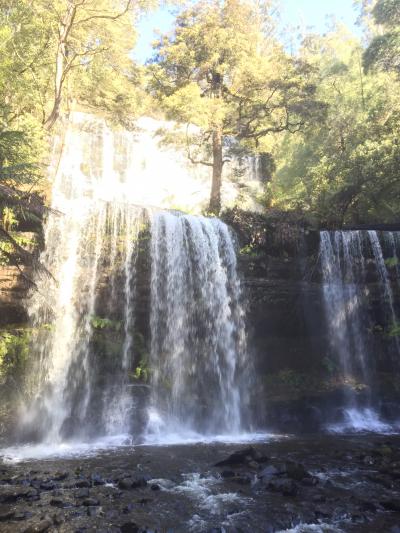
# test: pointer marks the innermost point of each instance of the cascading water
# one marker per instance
(198, 350)
(89, 350)
(348, 259)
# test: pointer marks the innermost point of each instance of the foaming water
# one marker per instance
(114, 443)
(204, 491)
(361, 421)
(313, 528)
(168, 439)
(21, 453)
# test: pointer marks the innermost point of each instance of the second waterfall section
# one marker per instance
(360, 281)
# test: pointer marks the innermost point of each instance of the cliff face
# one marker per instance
(14, 287)
(301, 385)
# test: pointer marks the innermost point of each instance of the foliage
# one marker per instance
(55, 55)
(384, 50)
(391, 262)
(98, 322)
(142, 371)
(223, 70)
(346, 170)
(394, 330)
(249, 250)
(7, 248)
(14, 353)
(329, 365)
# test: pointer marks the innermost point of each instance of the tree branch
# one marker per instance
(105, 16)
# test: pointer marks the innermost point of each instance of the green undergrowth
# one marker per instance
(14, 354)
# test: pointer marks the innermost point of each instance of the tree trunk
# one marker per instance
(61, 69)
(215, 198)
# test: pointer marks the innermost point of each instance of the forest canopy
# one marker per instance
(323, 115)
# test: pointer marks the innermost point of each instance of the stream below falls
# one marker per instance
(314, 483)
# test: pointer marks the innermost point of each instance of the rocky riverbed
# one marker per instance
(321, 483)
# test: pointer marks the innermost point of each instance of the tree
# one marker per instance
(384, 50)
(222, 70)
(346, 170)
(86, 30)
(50, 50)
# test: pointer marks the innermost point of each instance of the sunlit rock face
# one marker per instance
(114, 165)
(139, 329)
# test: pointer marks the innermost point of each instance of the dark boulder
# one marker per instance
(243, 457)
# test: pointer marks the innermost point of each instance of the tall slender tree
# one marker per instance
(223, 70)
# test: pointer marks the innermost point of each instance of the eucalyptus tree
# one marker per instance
(52, 52)
(223, 70)
(92, 38)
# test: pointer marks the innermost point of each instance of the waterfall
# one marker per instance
(198, 350)
(349, 261)
(102, 367)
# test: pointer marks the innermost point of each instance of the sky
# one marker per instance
(309, 14)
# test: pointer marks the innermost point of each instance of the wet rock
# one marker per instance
(310, 481)
(227, 474)
(323, 511)
(48, 485)
(285, 486)
(58, 519)
(82, 493)
(60, 503)
(90, 502)
(368, 460)
(139, 483)
(6, 515)
(98, 480)
(243, 457)
(357, 517)
(125, 484)
(243, 480)
(93, 510)
(32, 495)
(380, 480)
(129, 527)
(394, 474)
(392, 504)
(319, 498)
(155, 487)
(82, 483)
(296, 471)
(269, 471)
(12, 494)
(39, 525)
(385, 450)
(128, 508)
(22, 515)
(367, 505)
(144, 501)
(61, 476)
